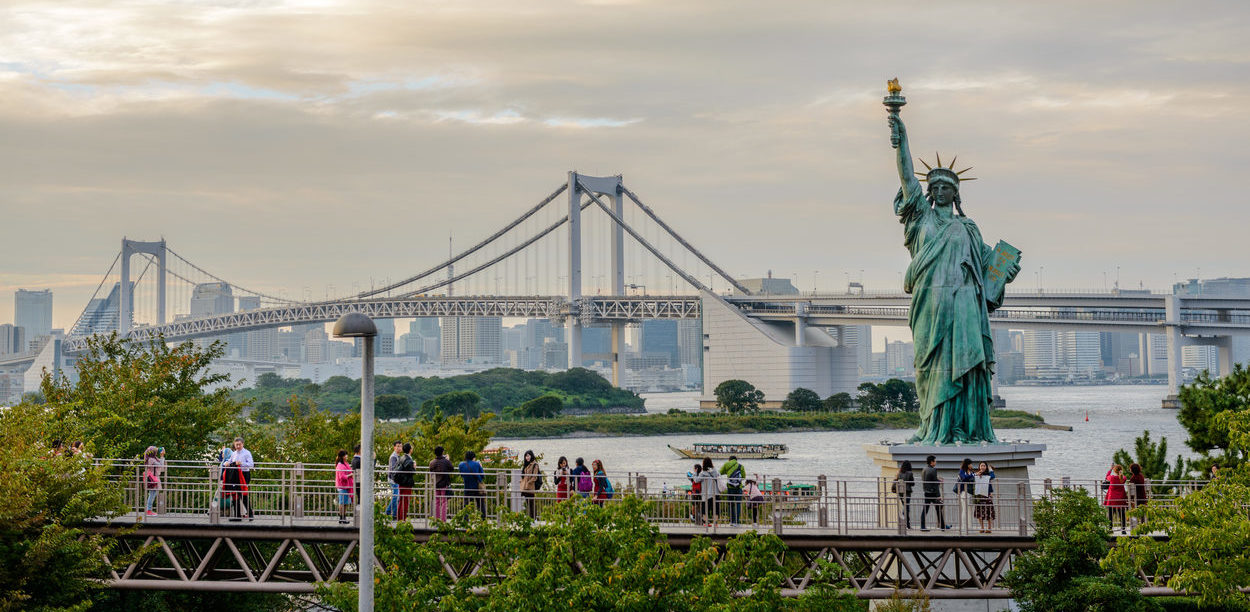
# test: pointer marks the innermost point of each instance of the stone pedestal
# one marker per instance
(1013, 492)
(1011, 460)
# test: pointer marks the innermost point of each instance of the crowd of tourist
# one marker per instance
(711, 494)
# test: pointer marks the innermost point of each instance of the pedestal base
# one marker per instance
(1172, 402)
(1010, 460)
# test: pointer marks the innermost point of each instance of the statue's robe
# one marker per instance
(949, 322)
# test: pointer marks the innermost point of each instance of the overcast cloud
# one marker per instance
(308, 143)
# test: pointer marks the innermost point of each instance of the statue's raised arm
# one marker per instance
(898, 139)
(906, 170)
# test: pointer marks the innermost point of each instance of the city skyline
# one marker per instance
(760, 136)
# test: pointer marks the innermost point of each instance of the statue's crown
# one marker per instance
(943, 173)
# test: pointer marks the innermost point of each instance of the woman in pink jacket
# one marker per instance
(1116, 500)
(345, 484)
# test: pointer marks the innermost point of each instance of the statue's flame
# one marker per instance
(893, 86)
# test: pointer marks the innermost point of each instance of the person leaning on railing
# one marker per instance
(441, 469)
(405, 478)
(471, 473)
(392, 463)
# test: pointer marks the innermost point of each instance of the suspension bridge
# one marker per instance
(592, 253)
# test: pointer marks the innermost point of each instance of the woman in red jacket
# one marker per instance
(1116, 500)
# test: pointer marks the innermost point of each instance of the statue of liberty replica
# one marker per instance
(955, 281)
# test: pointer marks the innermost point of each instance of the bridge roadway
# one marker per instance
(296, 540)
(1129, 312)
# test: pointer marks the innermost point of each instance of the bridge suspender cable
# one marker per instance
(510, 252)
(689, 247)
(466, 253)
(621, 222)
(220, 279)
(96, 293)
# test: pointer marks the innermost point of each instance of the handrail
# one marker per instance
(306, 495)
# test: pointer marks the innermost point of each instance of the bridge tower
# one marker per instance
(129, 249)
(609, 186)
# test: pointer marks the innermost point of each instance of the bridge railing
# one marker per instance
(305, 494)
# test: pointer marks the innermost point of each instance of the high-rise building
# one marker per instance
(690, 341)
(1041, 351)
(100, 316)
(472, 340)
(596, 344)
(12, 339)
(1198, 357)
(900, 359)
(385, 344)
(212, 299)
(317, 347)
(660, 336)
(32, 310)
(1081, 352)
(259, 344)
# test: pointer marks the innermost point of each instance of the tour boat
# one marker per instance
(713, 450)
(499, 454)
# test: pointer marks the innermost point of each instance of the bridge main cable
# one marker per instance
(632, 232)
(412, 279)
(689, 247)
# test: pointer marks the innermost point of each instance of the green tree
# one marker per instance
(578, 381)
(1207, 551)
(900, 396)
(839, 402)
(736, 396)
(871, 398)
(580, 557)
(47, 562)
(1064, 572)
(1153, 460)
(543, 407)
(463, 403)
(802, 400)
(130, 395)
(1207, 397)
(392, 406)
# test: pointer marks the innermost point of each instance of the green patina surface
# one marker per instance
(955, 280)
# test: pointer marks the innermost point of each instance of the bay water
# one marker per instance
(1117, 414)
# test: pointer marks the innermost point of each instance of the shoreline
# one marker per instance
(620, 426)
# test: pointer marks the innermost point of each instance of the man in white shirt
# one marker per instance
(238, 476)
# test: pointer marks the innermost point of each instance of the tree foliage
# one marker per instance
(1207, 551)
(1207, 397)
(463, 403)
(839, 402)
(893, 395)
(499, 389)
(802, 399)
(130, 395)
(1064, 572)
(46, 561)
(1152, 457)
(392, 406)
(582, 557)
(737, 396)
(544, 407)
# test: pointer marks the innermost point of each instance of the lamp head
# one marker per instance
(355, 325)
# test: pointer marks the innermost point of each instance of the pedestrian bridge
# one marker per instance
(201, 537)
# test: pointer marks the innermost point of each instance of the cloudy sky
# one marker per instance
(285, 144)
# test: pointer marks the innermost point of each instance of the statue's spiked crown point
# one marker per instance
(939, 172)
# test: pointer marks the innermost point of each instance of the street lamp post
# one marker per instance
(357, 325)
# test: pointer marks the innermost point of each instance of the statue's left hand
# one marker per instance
(1015, 269)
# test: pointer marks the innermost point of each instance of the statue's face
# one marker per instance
(943, 193)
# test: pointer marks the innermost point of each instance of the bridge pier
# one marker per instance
(129, 249)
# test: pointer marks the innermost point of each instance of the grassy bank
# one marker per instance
(712, 423)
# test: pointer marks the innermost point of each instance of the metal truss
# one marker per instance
(593, 309)
(291, 560)
(235, 560)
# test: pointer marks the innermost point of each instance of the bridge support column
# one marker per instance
(124, 311)
(575, 270)
(1172, 319)
(1225, 345)
(618, 347)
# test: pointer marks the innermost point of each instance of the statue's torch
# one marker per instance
(893, 103)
